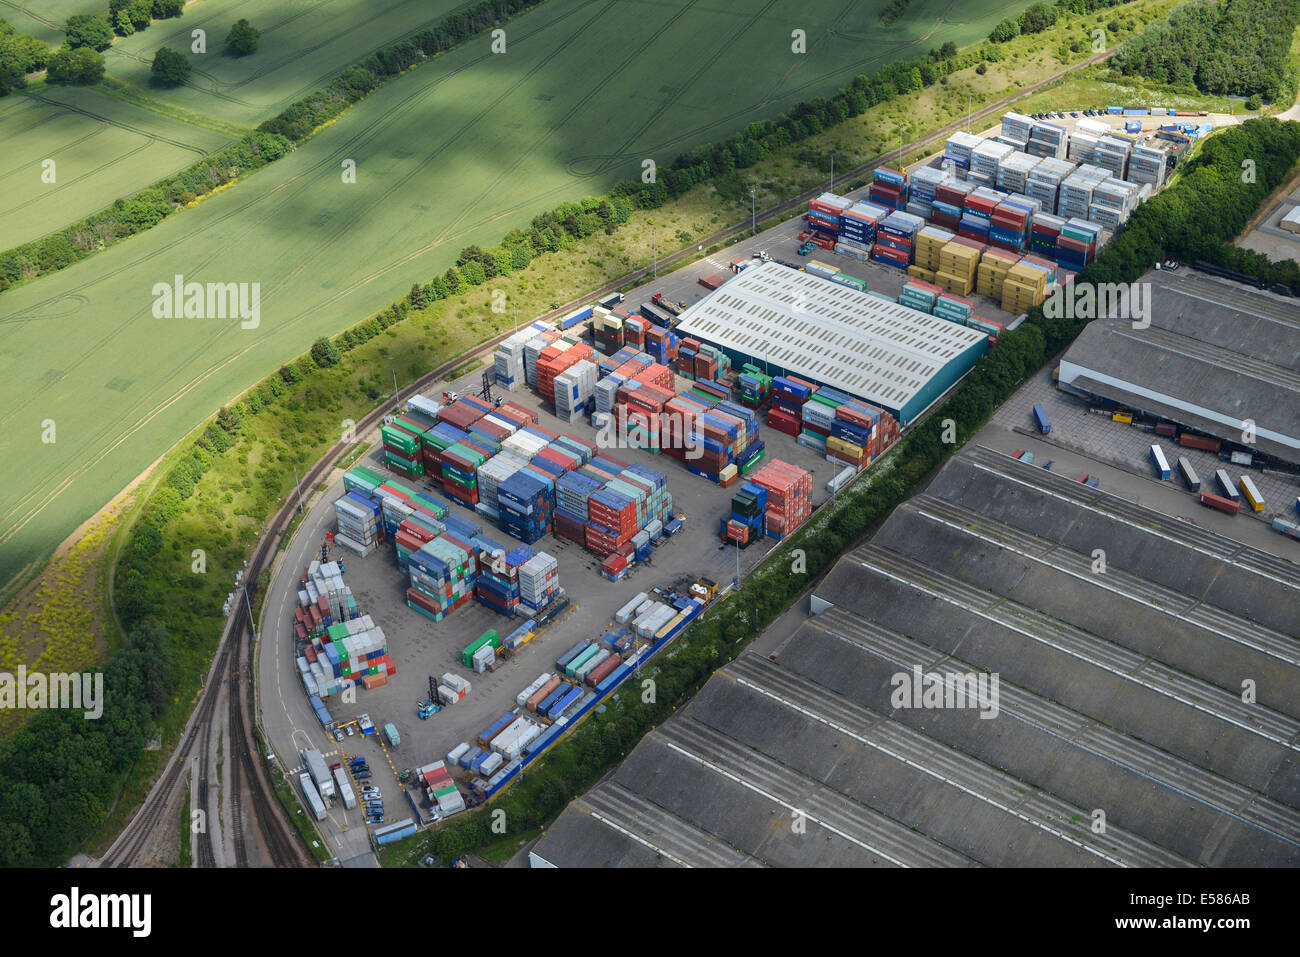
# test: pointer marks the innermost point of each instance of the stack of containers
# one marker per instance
(1077, 189)
(958, 149)
(824, 214)
(360, 478)
(925, 182)
(958, 262)
(442, 575)
(889, 188)
(1076, 246)
(634, 330)
(1044, 181)
(677, 423)
(1148, 163)
(745, 525)
(859, 433)
(508, 360)
(920, 295)
(572, 492)
(687, 350)
(1043, 232)
(858, 225)
(953, 308)
(949, 200)
(539, 581)
(1009, 226)
(557, 359)
(612, 520)
(608, 330)
(490, 476)
(1013, 173)
(525, 501)
(1047, 140)
(977, 211)
(930, 242)
(896, 239)
(574, 389)
(785, 414)
(402, 449)
(1025, 286)
(1112, 154)
(358, 523)
(1017, 127)
(789, 496)
(424, 406)
(460, 465)
(462, 413)
(985, 160)
(662, 345)
(993, 268)
(988, 326)
(754, 385)
(497, 583)
(533, 350)
(818, 413)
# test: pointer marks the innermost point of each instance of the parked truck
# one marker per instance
(344, 787)
(313, 798)
(1040, 418)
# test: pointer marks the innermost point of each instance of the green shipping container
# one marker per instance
(572, 667)
(487, 638)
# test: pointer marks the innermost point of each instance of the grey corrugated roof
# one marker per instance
(1213, 356)
(881, 351)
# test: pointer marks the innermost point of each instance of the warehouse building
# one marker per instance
(1214, 357)
(1120, 691)
(793, 323)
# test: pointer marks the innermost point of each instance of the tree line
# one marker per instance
(1231, 47)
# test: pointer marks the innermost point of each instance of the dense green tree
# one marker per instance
(1007, 29)
(325, 353)
(242, 39)
(79, 67)
(165, 9)
(88, 30)
(170, 67)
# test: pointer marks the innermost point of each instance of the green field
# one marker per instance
(455, 152)
(45, 18)
(103, 148)
(303, 44)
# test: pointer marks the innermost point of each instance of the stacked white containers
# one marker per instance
(1047, 140)
(524, 445)
(539, 580)
(652, 619)
(573, 388)
(424, 405)
(484, 658)
(1112, 155)
(924, 182)
(1016, 129)
(607, 392)
(1148, 164)
(1077, 190)
(510, 743)
(985, 160)
(358, 528)
(1043, 182)
(959, 149)
(1013, 173)
(627, 611)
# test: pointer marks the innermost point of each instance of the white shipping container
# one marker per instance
(345, 788)
(628, 610)
(455, 754)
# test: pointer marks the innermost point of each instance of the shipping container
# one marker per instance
(1290, 529)
(1161, 463)
(1202, 442)
(313, 798)
(1040, 417)
(1189, 475)
(344, 787)
(1228, 490)
(1210, 500)
(1248, 489)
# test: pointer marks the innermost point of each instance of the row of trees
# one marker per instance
(1231, 47)
(1185, 220)
(140, 211)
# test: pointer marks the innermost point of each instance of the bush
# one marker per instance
(166, 9)
(170, 67)
(1008, 29)
(982, 69)
(1254, 103)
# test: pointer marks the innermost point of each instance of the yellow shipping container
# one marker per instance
(842, 445)
(957, 285)
(919, 272)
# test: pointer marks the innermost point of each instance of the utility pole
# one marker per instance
(832, 186)
(252, 624)
(516, 317)
(298, 486)
(654, 246)
(753, 212)
(395, 389)
(969, 98)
